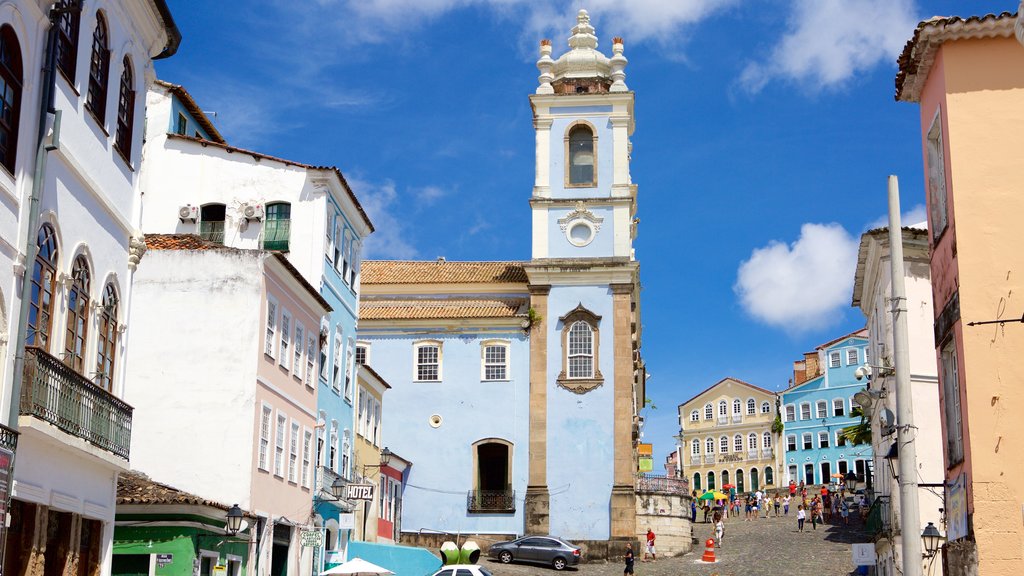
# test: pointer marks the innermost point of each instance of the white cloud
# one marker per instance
(802, 286)
(427, 195)
(916, 217)
(831, 40)
(388, 239)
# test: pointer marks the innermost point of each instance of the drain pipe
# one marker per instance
(43, 147)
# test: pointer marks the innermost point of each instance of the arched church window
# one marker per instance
(78, 315)
(10, 96)
(107, 339)
(99, 66)
(580, 344)
(581, 152)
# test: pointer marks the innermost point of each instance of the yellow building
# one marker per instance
(967, 77)
(726, 437)
(367, 451)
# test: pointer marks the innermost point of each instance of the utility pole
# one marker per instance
(906, 432)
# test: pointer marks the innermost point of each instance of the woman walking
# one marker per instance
(800, 516)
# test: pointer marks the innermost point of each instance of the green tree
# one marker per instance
(859, 433)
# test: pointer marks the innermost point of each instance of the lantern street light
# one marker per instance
(234, 521)
(851, 481)
(932, 540)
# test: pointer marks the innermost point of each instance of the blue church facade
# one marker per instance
(817, 407)
(517, 383)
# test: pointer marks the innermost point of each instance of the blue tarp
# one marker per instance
(402, 560)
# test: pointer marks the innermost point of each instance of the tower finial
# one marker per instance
(583, 33)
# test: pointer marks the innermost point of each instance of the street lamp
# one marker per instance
(851, 481)
(337, 488)
(932, 540)
(234, 521)
(892, 457)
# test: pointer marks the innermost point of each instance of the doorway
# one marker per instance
(808, 474)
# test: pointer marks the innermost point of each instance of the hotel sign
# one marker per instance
(359, 492)
(956, 504)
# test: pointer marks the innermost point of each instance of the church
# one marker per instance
(516, 385)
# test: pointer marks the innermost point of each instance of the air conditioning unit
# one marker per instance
(188, 212)
(252, 211)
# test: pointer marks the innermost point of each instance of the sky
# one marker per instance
(765, 132)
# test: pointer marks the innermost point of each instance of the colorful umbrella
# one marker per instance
(838, 475)
(716, 495)
(727, 486)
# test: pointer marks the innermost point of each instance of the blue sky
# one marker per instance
(765, 133)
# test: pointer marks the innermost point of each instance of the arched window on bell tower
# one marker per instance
(581, 155)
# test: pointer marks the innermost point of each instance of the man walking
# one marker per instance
(629, 560)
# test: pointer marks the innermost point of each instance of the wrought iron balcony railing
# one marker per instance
(491, 501)
(879, 520)
(666, 484)
(212, 230)
(709, 458)
(8, 438)
(53, 392)
(695, 460)
(275, 234)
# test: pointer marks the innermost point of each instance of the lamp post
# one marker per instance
(234, 520)
(932, 540)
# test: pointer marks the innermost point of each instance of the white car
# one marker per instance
(463, 570)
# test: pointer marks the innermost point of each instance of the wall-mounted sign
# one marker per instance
(312, 538)
(645, 449)
(346, 521)
(864, 555)
(164, 559)
(956, 509)
(220, 570)
(646, 464)
(359, 492)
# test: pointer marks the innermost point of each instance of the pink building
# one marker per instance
(967, 75)
(224, 386)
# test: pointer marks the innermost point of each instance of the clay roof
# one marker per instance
(441, 272)
(722, 381)
(449, 308)
(261, 156)
(137, 488)
(194, 110)
(179, 242)
(916, 60)
(861, 333)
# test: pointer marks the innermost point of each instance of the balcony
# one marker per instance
(275, 234)
(709, 458)
(212, 231)
(663, 484)
(752, 454)
(8, 439)
(55, 393)
(722, 419)
(695, 460)
(766, 453)
(491, 501)
(737, 418)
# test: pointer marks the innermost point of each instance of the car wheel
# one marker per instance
(505, 557)
(558, 563)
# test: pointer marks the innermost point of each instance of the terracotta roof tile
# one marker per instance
(916, 60)
(442, 309)
(441, 272)
(190, 104)
(137, 488)
(179, 242)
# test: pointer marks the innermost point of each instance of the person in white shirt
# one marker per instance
(801, 516)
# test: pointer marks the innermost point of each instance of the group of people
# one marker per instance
(827, 505)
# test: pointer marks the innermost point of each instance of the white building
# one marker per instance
(871, 293)
(76, 250)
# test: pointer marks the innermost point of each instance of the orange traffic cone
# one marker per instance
(709, 551)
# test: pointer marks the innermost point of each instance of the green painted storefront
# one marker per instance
(136, 547)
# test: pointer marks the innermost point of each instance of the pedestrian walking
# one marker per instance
(844, 511)
(777, 502)
(650, 546)
(719, 529)
(800, 516)
(629, 560)
(785, 505)
(693, 511)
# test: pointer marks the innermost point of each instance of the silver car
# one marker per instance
(549, 550)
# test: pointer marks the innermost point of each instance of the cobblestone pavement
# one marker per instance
(769, 547)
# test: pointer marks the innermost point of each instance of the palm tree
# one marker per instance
(859, 433)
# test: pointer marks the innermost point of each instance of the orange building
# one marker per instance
(967, 75)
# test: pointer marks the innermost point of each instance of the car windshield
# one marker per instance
(485, 571)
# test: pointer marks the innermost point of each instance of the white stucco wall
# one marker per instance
(193, 371)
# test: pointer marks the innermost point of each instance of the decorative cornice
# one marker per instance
(580, 212)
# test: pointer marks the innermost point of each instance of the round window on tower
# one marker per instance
(580, 233)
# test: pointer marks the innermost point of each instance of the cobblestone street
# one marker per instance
(760, 547)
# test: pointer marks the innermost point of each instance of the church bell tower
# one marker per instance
(586, 373)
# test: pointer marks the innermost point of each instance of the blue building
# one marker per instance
(516, 385)
(817, 407)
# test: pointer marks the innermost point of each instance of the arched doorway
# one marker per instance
(755, 483)
(711, 480)
(725, 478)
(696, 481)
(769, 476)
(740, 487)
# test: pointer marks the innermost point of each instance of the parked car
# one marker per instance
(463, 570)
(537, 549)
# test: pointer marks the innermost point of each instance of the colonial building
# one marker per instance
(967, 76)
(872, 292)
(817, 407)
(252, 433)
(518, 383)
(726, 437)
(195, 183)
(69, 244)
